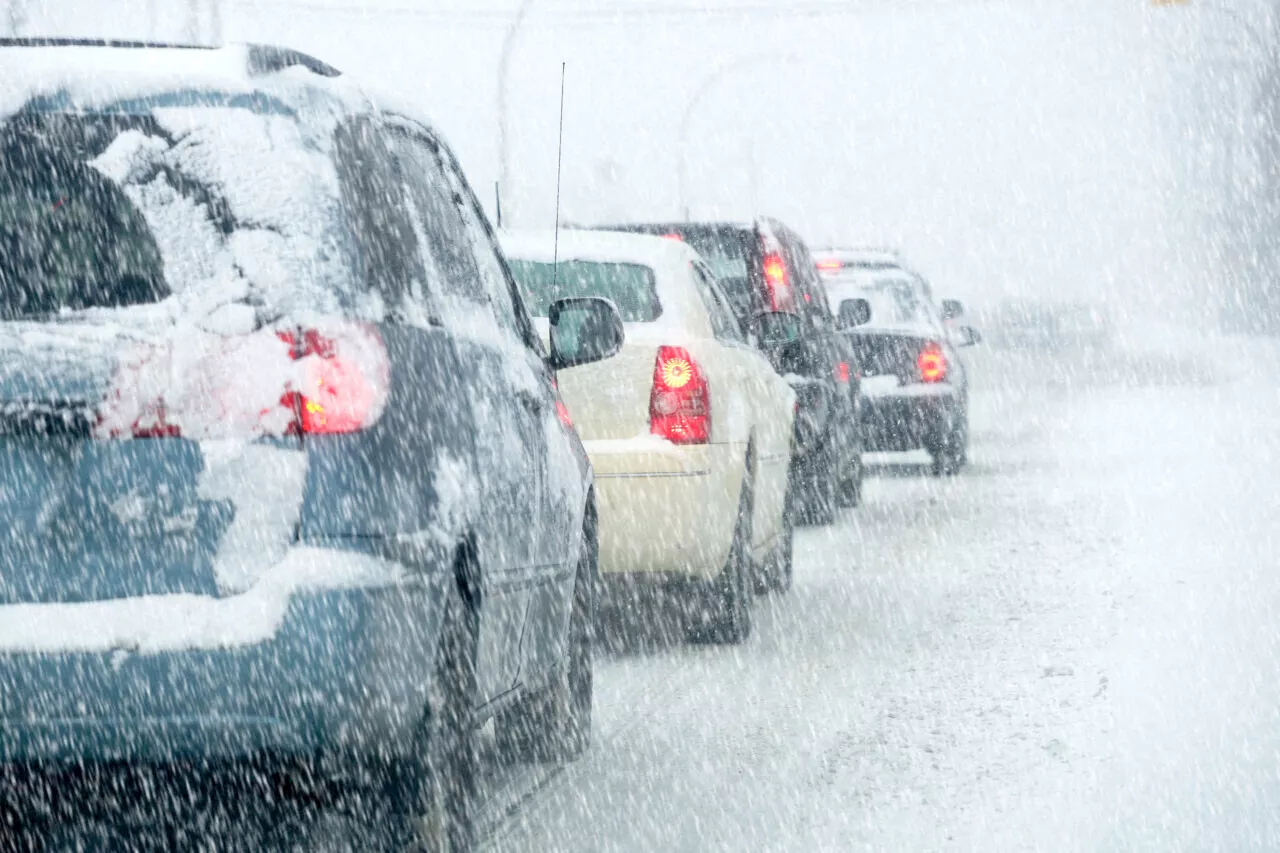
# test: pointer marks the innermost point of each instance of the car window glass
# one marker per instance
(724, 324)
(376, 201)
(493, 275)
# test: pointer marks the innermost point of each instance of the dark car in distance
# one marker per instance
(769, 275)
(282, 474)
(915, 387)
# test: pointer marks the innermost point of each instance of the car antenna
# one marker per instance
(555, 252)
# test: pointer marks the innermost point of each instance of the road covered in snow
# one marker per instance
(1073, 645)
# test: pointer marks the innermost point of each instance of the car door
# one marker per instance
(768, 403)
(511, 463)
(832, 359)
(556, 530)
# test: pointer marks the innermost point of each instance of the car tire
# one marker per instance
(851, 489)
(724, 617)
(817, 490)
(435, 786)
(779, 576)
(951, 454)
(554, 724)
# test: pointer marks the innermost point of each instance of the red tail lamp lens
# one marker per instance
(342, 383)
(775, 279)
(842, 373)
(209, 386)
(932, 363)
(679, 402)
(829, 267)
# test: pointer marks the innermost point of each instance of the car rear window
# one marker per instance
(187, 195)
(631, 287)
(894, 300)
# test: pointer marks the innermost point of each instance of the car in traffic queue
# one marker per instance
(915, 388)
(688, 428)
(281, 473)
(769, 276)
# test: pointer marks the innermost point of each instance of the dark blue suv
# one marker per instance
(283, 472)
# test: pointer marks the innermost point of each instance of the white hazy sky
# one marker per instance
(1008, 146)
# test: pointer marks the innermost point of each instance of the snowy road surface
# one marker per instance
(1071, 646)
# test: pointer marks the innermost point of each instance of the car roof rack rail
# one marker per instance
(45, 41)
(263, 58)
(268, 59)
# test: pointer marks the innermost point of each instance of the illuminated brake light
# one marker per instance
(932, 363)
(842, 373)
(673, 236)
(267, 383)
(775, 279)
(830, 267)
(679, 402)
(342, 383)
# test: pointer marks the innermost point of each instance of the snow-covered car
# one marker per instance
(915, 393)
(281, 472)
(768, 273)
(689, 429)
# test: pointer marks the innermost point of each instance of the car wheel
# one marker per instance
(554, 724)
(725, 617)
(951, 454)
(436, 785)
(851, 489)
(817, 490)
(780, 568)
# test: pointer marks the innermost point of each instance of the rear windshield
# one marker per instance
(894, 301)
(631, 287)
(724, 250)
(178, 196)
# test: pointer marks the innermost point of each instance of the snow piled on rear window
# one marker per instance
(242, 205)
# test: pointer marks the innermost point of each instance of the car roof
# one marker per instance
(88, 73)
(863, 258)
(669, 260)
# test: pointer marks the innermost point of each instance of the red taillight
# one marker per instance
(932, 363)
(333, 380)
(775, 279)
(562, 411)
(673, 236)
(829, 267)
(842, 373)
(680, 402)
(342, 381)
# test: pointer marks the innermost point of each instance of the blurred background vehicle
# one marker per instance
(689, 429)
(915, 392)
(769, 276)
(1046, 325)
(280, 464)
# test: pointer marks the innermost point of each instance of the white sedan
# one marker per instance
(688, 428)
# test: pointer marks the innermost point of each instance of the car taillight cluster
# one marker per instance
(336, 391)
(680, 401)
(775, 279)
(308, 382)
(932, 363)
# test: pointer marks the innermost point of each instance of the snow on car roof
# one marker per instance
(669, 260)
(81, 76)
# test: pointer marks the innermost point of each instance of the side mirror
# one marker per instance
(952, 308)
(584, 329)
(966, 336)
(853, 313)
(775, 328)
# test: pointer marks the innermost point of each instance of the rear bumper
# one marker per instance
(912, 418)
(346, 669)
(665, 509)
